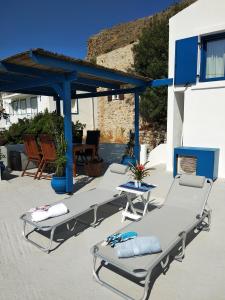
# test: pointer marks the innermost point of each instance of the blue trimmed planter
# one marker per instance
(59, 184)
(127, 160)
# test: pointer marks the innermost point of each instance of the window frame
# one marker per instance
(76, 102)
(32, 112)
(15, 112)
(25, 110)
(204, 41)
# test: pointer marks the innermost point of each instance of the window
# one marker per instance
(74, 107)
(15, 107)
(23, 106)
(213, 58)
(33, 105)
(115, 97)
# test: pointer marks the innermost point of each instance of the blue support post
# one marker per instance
(136, 127)
(68, 135)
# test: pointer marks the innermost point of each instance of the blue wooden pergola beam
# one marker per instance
(97, 83)
(18, 70)
(22, 84)
(91, 70)
(161, 82)
(12, 78)
(26, 84)
(28, 71)
(112, 92)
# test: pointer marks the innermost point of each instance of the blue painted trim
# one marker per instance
(73, 66)
(207, 160)
(161, 82)
(136, 127)
(186, 58)
(204, 40)
(68, 135)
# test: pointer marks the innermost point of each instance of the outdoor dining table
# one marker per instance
(77, 148)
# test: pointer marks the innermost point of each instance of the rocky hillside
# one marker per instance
(126, 33)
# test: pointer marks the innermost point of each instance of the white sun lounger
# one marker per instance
(81, 203)
(184, 210)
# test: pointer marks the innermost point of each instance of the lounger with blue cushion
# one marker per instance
(185, 209)
(81, 203)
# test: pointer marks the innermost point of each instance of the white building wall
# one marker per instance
(203, 122)
(87, 113)
(87, 110)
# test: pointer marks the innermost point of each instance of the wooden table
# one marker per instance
(81, 148)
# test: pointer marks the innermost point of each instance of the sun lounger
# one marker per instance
(184, 210)
(81, 203)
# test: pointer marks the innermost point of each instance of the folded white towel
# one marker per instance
(53, 211)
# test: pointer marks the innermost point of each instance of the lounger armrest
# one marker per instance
(94, 249)
(94, 205)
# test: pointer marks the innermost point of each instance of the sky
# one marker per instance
(64, 26)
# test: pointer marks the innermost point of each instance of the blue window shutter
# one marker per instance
(186, 57)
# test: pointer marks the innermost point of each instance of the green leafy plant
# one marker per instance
(151, 60)
(60, 154)
(42, 123)
(139, 172)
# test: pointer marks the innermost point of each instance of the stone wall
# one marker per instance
(116, 117)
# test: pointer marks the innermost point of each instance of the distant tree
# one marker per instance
(151, 60)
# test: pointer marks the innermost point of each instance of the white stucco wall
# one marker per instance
(87, 109)
(203, 122)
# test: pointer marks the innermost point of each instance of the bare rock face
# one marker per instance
(112, 48)
(124, 34)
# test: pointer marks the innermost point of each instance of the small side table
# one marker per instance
(130, 190)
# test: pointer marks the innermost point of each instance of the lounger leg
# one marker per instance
(209, 217)
(47, 249)
(180, 256)
(110, 287)
(124, 213)
(93, 224)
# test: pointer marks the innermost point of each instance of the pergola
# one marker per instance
(40, 72)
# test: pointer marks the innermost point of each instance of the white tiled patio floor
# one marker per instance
(65, 273)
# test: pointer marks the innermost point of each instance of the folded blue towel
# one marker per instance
(138, 246)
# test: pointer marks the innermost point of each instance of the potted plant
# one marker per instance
(58, 181)
(128, 157)
(78, 128)
(139, 172)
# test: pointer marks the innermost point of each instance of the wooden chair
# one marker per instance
(48, 151)
(93, 137)
(33, 153)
